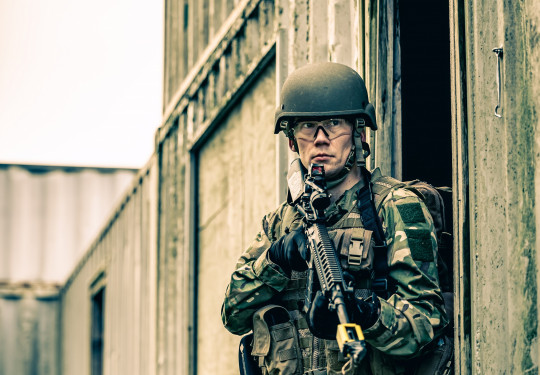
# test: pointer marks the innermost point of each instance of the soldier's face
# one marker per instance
(327, 142)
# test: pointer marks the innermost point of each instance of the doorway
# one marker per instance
(425, 94)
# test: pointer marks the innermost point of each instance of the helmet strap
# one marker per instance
(340, 177)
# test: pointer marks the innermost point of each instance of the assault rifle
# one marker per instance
(311, 198)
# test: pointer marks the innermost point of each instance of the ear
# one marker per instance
(291, 145)
(363, 135)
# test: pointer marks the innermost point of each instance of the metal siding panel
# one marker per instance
(24, 265)
(29, 329)
(5, 225)
(118, 252)
(51, 214)
(153, 200)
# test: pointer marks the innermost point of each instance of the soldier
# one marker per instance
(323, 110)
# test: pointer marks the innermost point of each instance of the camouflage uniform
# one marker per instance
(409, 319)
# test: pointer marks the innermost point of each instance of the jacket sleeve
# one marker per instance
(254, 282)
(414, 315)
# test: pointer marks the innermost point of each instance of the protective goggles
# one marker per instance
(333, 128)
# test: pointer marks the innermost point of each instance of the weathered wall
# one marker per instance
(236, 188)
(190, 26)
(503, 154)
(123, 259)
(29, 333)
(215, 87)
(48, 216)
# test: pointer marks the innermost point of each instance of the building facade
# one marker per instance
(455, 84)
(49, 215)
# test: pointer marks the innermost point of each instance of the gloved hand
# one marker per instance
(290, 251)
(365, 311)
(323, 323)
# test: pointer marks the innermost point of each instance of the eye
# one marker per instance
(334, 122)
(306, 125)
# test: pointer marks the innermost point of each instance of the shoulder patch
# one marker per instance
(420, 244)
(411, 213)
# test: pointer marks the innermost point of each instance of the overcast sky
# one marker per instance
(80, 81)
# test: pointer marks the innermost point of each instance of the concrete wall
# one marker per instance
(502, 156)
(236, 188)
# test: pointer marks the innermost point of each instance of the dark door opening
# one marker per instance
(425, 92)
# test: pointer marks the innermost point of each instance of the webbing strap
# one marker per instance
(371, 221)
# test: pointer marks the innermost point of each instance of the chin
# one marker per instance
(330, 173)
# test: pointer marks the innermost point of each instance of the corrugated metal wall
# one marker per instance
(123, 260)
(29, 332)
(48, 216)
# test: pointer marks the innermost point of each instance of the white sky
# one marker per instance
(80, 81)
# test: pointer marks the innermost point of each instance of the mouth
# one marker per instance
(321, 158)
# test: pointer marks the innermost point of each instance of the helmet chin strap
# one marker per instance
(342, 175)
(354, 157)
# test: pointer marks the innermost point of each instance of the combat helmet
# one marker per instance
(325, 90)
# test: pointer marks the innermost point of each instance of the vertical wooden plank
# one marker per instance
(190, 259)
(340, 31)
(181, 41)
(166, 74)
(518, 33)
(357, 36)
(384, 145)
(213, 14)
(488, 150)
(202, 26)
(298, 34)
(193, 30)
(153, 265)
(185, 50)
(319, 35)
(460, 182)
(395, 85)
(282, 71)
(372, 37)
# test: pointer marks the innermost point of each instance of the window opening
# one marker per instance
(97, 331)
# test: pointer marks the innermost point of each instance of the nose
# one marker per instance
(321, 137)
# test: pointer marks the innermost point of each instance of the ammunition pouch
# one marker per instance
(275, 342)
(356, 249)
(356, 253)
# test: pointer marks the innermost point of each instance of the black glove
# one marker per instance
(365, 311)
(290, 251)
(323, 323)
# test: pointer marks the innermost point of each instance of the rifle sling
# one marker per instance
(371, 221)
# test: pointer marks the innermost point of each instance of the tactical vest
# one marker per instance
(355, 246)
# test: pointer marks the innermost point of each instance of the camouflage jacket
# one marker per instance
(410, 318)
